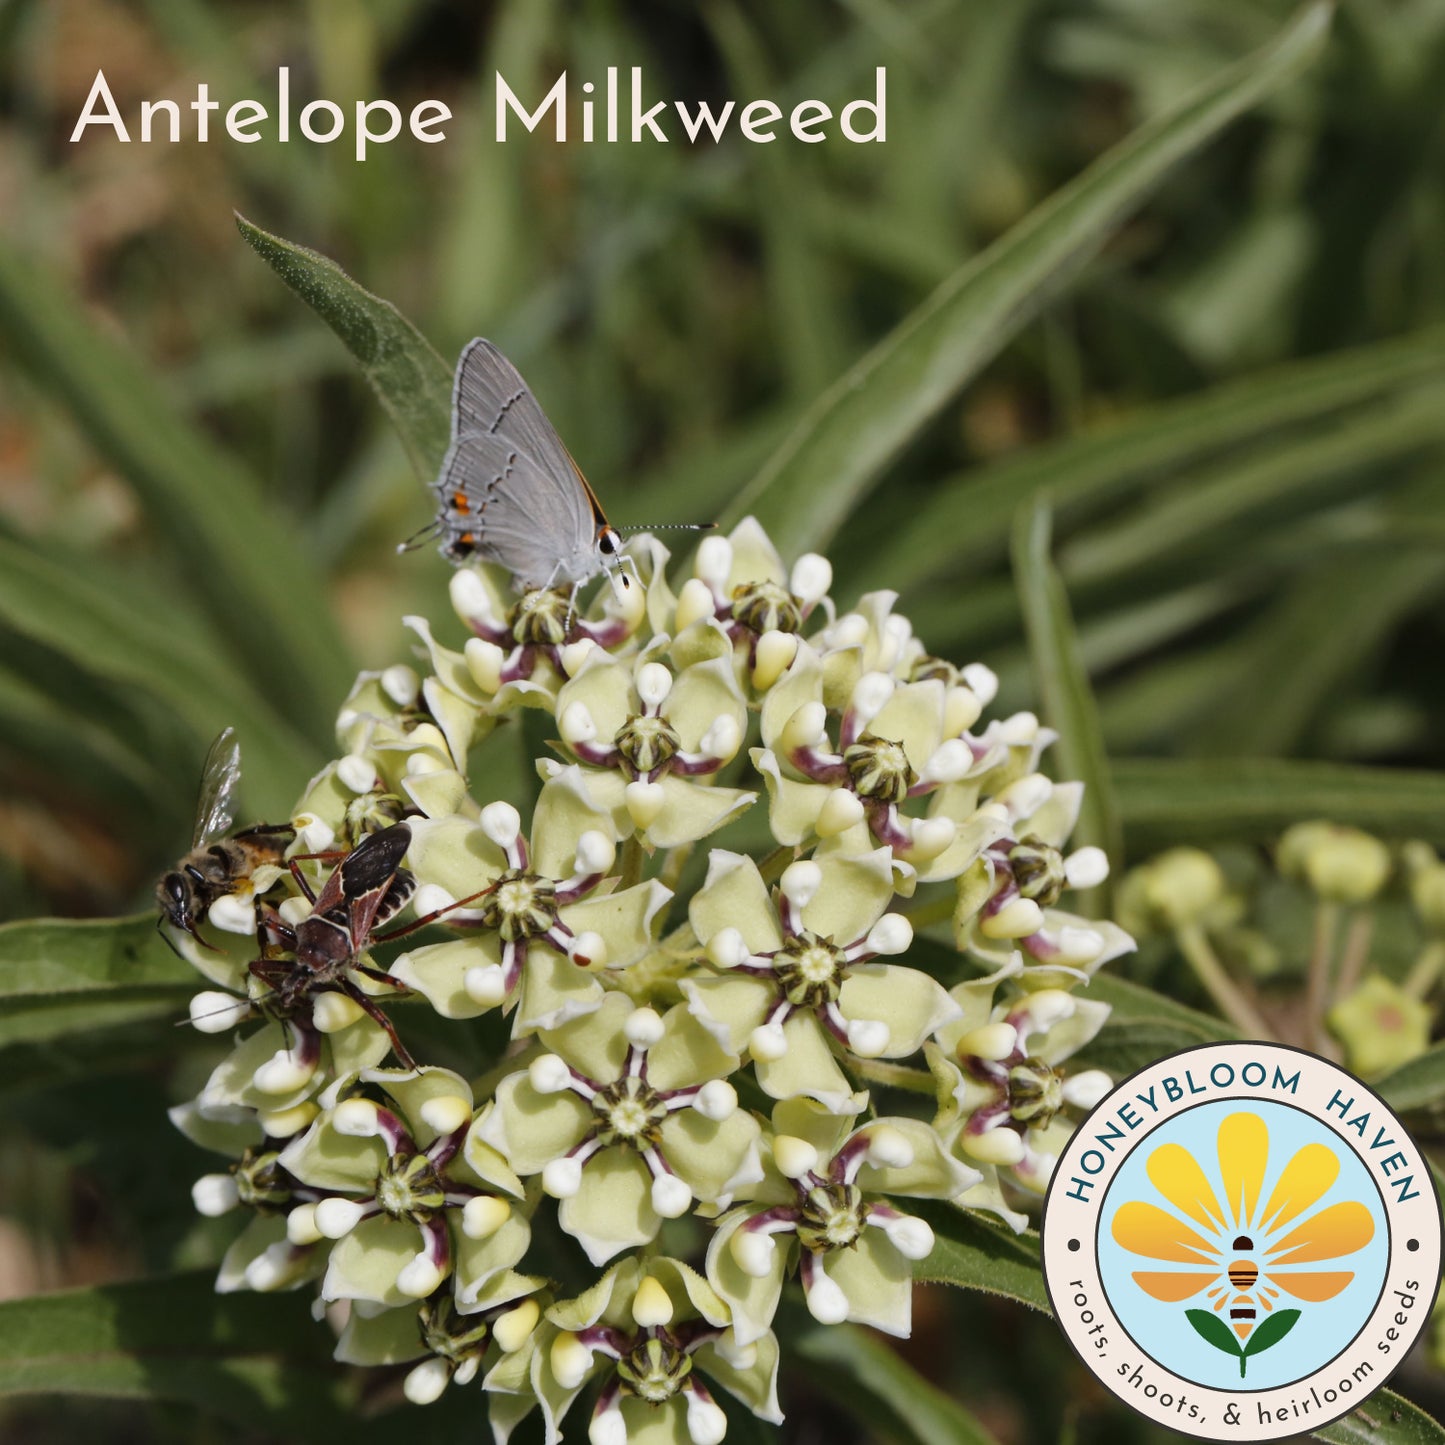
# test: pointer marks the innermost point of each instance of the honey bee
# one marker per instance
(216, 864)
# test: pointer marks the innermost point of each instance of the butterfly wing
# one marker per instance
(509, 491)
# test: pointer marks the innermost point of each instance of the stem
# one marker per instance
(938, 909)
(1228, 997)
(1423, 977)
(674, 863)
(633, 860)
(773, 866)
(895, 1076)
(1317, 987)
(1355, 954)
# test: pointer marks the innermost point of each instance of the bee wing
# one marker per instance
(219, 779)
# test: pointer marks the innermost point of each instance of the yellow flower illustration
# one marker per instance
(1243, 1253)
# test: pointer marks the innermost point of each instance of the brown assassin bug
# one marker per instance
(366, 888)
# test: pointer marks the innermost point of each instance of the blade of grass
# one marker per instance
(1164, 800)
(1062, 684)
(106, 634)
(1280, 482)
(968, 518)
(845, 441)
(253, 1358)
(238, 553)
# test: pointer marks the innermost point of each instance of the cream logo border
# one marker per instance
(1125, 1121)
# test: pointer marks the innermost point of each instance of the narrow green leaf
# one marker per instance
(844, 442)
(1385, 1419)
(1417, 1084)
(42, 956)
(60, 976)
(874, 1382)
(106, 634)
(256, 1359)
(39, 1021)
(1121, 1049)
(1213, 1329)
(973, 1252)
(1062, 683)
(1132, 1003)
(1164, 801)
(967, 519)
(239, 553)
(412, 382)
(1272, 1329)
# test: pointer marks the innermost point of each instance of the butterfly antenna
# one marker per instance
(668, 527)
(425, 534)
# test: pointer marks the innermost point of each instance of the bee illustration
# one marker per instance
(216, 864)
(1243, 1275)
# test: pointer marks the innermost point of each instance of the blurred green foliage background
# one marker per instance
(1237, 409)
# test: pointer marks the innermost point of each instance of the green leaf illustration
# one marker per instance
(1271, 1332)
(1210, 1327)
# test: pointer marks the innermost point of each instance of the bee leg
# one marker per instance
(272, 931)
(371, 1007)
(431, 917)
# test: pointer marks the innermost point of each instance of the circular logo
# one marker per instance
(1242, 1242)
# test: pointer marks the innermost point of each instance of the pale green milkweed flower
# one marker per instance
(648, 1332)
(825, 1199)
(647, 738)
(798, 978)
(1006, 899)
(275, 1071)
(261, 1258)
(550, 921)
(1004, 1097)
(451, 1345)
(893, 744)
(629, 1119)
(523, 647)
(407, 1207)
(741, 588)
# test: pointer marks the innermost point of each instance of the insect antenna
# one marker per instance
(667, 527)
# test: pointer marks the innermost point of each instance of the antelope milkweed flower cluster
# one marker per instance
(777, 854)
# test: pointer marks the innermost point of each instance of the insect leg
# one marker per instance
(370, 1006)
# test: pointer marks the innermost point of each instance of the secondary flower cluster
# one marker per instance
(1340, 948)
(653, 1058)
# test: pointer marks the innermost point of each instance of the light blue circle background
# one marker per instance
(1163, 1332)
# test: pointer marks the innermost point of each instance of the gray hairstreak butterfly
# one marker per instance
(509, 491)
